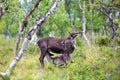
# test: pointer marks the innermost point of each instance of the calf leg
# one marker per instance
(48, 56)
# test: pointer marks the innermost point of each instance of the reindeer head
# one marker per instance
(73, 35)
(70, 42)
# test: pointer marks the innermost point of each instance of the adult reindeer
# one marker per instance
(56, 45)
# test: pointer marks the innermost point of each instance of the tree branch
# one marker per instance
(25, 23)
(3, 11)
(81, 9)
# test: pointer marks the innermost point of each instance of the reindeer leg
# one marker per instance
(43, 53)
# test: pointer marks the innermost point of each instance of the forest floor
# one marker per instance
(89, 63)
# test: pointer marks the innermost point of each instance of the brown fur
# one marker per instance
(56, 45)
(62, 59)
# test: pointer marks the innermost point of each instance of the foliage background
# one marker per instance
(95, 62)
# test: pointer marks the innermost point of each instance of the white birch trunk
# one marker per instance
(84, 23)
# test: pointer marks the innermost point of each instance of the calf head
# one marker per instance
(62, 59)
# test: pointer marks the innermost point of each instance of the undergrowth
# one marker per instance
(88, 63)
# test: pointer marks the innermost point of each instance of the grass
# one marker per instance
(89, 63)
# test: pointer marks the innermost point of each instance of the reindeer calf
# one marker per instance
(62, 59)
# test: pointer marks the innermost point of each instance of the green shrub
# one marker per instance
(79, 42)
(103, 41)
(32, 49)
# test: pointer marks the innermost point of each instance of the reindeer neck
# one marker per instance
(70, 38)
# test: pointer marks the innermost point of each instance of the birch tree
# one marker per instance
(6, 75)
(109, 12)
(82, 9)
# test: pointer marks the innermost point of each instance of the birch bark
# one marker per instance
(84, 22)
